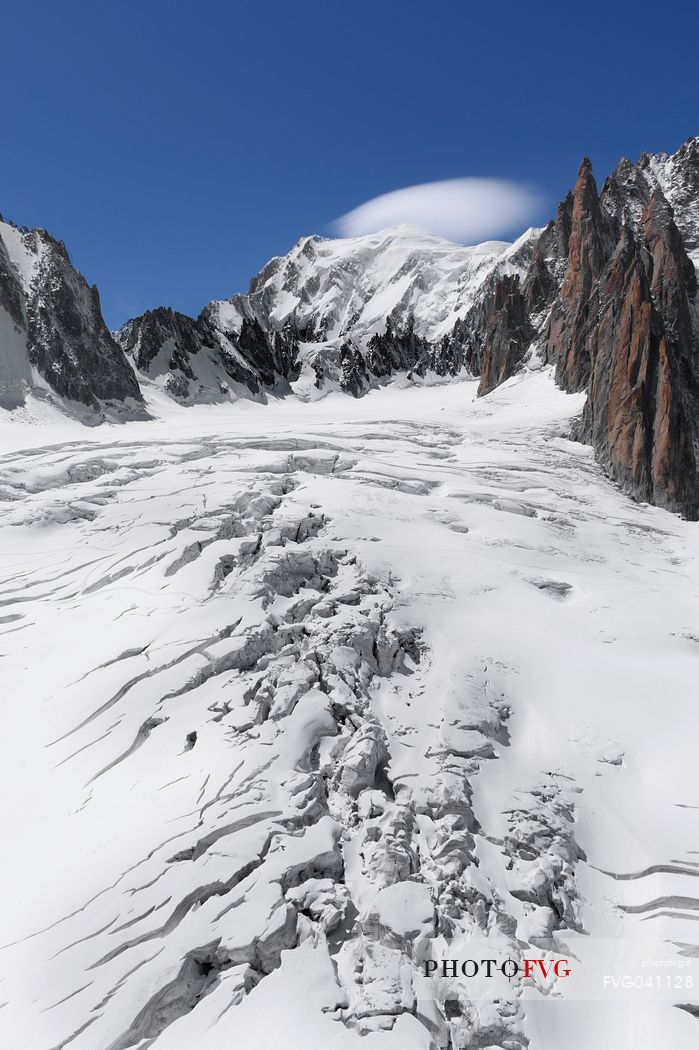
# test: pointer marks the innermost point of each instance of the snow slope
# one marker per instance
(323, 297)
(304, 695)
(336, 288)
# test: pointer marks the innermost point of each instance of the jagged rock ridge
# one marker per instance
(621, 327)
(610, 299)
(52, 335)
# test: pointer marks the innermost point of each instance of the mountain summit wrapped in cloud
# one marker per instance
(458, 209)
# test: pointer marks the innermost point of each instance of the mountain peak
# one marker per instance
(585, 168)
(52, 333)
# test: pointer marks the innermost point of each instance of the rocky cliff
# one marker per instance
(607, 295)
(617, 321)
(53, 339)
(192, 358)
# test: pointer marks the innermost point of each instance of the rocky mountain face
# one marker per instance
(610, 300)
(53, 339)
(194, 359)
(506, 331)
(622, 326)
(640, 414)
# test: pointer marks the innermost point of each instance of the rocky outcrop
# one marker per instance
(547, 268)
(273, 354)
(621, 328)
(195, 359)
(54, 341)
(677, 175)
(637, 415)
(474, 334)
(144, 338)
(610, 294)
(400, 349)
(11, 292)
(354, 376)
(590, 244)
(508, 333)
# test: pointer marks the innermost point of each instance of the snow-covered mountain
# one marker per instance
(54, 343)
(607, 294)
(314, 317)
(676, 175)
(334, 289)
(329, 295)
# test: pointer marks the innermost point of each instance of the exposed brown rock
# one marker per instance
(634, 416)
(619, 289)
(673, 278)
(548, 265)
(508, 333)
(589, 246)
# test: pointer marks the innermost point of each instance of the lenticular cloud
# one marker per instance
(466, 210)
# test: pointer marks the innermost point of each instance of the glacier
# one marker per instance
(301, 695)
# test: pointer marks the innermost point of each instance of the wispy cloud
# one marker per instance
(465, 210)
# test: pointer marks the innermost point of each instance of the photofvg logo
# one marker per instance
(512, 969)
(591, 969)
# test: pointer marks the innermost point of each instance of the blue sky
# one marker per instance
(176, 146)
